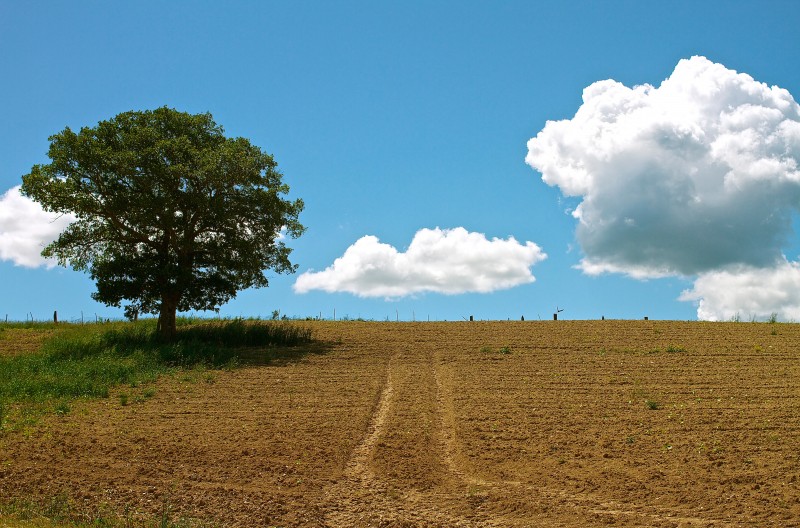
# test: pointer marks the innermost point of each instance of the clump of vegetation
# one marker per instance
(652, 405)
(87, 360)
(62, 510)
(501, 350)
(676, 349)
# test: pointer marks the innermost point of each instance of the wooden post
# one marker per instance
(645, 318)
(55, 316)
(471, 318)
(555, 317)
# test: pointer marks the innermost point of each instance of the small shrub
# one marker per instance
(773, 318)
(652, 405)
(676, 349)
(505, 350)
(149, 392)
(62, 408)
(486, 349)
(123, 399)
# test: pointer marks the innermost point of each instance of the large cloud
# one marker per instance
(698, 177)
(692, 176)
(449, 261)
(748, 292)
(25, 228)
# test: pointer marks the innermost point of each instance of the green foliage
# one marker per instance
(773, 318)
(652, 405)
(171, 214)
(676, 349)
(86, 361)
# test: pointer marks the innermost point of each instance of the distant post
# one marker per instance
(55, 316)
(471, 318)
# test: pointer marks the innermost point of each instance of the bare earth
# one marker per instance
(583, 423)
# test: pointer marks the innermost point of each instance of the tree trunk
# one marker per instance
(167, 327)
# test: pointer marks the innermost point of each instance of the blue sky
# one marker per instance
(388, 118)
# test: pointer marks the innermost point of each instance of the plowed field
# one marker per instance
(568, 423)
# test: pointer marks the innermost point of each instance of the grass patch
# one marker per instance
(60, 511)
(88, 360)
(652, 405)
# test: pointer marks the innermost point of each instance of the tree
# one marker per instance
(171, 215)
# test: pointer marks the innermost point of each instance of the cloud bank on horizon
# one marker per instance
(448, 261)
(25, 228)
(696, 177)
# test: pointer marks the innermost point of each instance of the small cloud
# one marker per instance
(748, 292)
(449, 261)
(25, 228)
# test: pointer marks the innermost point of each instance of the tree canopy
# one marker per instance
(171, 214)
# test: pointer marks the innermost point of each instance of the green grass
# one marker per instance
(60, 511)
(88, 360)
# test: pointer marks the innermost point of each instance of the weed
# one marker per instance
(62, 408)
(505, 350)
(149, 392)
(652, 405)
(486, 349)
(676, 349)
(774, 331)
(2, 414)
(773, 318)
(123, 399)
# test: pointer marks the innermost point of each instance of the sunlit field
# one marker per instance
(567, 423)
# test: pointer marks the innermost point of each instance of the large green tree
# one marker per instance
(171, 214)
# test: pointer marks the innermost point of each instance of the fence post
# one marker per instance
(55, 316)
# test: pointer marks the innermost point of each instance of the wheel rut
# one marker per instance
(378, 493)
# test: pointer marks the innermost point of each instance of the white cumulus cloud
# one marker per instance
(691, 176)
(448, 261)
(25, 228)
(748, 292)
(697, 177)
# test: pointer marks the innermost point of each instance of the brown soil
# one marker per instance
(602, 423)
